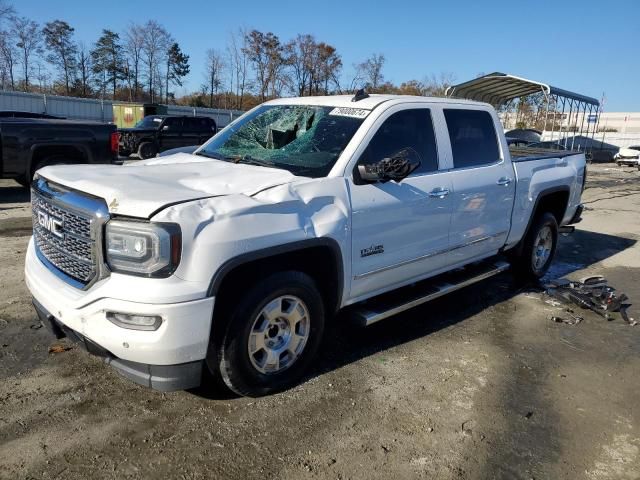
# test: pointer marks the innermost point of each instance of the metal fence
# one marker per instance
(67, 107)
(95, 110)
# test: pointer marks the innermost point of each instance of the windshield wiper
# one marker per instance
(248, 159)
(215, 156)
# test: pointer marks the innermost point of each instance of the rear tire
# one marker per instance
(48, 162)
(147, 150)
(273, 333)
(539, 246)
(22, 180)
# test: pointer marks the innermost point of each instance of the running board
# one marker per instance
(392, 303)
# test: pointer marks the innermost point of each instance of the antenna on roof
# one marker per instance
(360, 95)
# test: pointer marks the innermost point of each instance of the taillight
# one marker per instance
(115, 137)
(584, 178)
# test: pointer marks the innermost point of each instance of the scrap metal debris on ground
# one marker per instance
(593, 293)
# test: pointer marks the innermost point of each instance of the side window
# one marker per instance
(473, 137)
(406, 128)
(205, 125)
(192, 125)
(172, 125)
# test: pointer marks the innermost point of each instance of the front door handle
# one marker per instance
(439, 193)
(504, 181)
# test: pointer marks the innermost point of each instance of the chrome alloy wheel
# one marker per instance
(542, 248)
(279, 334)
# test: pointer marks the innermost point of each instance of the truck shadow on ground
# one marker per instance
(345, 343)
(14, 194)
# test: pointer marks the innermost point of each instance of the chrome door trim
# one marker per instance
(428, 255)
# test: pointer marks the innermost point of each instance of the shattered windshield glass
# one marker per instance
(303, 139)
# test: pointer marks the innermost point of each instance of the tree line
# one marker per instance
(145, 63)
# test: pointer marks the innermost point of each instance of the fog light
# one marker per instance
(135, 322)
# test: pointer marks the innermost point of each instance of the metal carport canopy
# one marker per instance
(498, 88)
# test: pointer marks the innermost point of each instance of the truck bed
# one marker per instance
(523, 154)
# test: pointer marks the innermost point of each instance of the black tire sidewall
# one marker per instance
(234, 364)
(48, 162)
(147, 148)
(544, 220)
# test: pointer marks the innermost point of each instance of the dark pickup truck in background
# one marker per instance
(27, 144)
(157, 133)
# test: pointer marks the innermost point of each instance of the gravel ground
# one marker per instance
(480, 384)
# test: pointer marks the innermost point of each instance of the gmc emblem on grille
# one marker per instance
(51, 223)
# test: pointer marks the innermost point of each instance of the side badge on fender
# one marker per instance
(372, 250)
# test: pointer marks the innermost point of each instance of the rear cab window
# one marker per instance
(198, 125)
(172, 124)
(473, 137)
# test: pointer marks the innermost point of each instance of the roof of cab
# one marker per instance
(369, 103)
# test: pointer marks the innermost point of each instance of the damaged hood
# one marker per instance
(142, 188)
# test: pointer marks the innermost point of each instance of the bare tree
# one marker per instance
(133, 43)
(213, 73)
(267, 55)
(83, 62)
(6, 10)
(238, 65)
(8, 58)
(8, 54)
(370, 71)
(300, 53)
(27, 34)
(155, 45)
(436, 85)
(326, 68)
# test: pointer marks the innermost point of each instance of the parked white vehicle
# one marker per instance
(628, 156)
(232, 259)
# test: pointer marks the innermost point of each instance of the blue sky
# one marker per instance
(588, 46)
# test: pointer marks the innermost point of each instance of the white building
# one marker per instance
(622, 122)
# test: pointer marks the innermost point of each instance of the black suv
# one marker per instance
(156, 133)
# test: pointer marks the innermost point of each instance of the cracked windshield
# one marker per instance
(305, 140)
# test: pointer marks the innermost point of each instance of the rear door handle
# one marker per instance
(439, 193)
(504, 181)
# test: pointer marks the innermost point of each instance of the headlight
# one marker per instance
(143, 248)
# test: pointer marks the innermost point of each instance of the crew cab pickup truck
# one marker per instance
(229, 261)
(156, 133)
(28, 144)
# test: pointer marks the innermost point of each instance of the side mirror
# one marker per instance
(396, 167)
(165, 128)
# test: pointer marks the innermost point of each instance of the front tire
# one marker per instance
(273, 334)
(536, 255)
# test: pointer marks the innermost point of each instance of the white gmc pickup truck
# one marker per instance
(230, 261)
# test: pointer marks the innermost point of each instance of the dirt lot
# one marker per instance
(478, 385)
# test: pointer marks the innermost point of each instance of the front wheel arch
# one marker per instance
(232, 353)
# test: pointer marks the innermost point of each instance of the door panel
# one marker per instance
(483, 186)
(400, 230)
(170, 135)
(481, 211)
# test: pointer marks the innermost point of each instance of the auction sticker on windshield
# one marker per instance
(350, 112)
